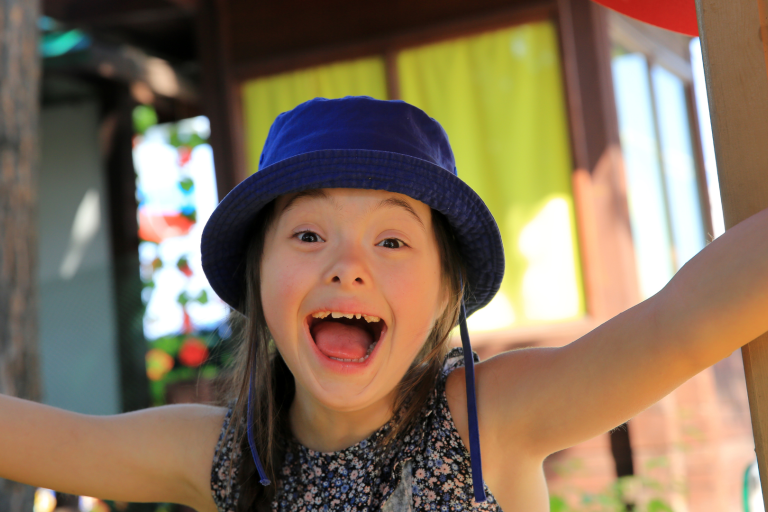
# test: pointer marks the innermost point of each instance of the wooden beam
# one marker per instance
(266, 30)
(100, 14)
(221, 95)
(392, 75)
(389, 43)
(599, 189)
(737, 88)
(116, 137)
(19, 290)
(600, 196)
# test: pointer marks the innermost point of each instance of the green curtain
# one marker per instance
(499, 96)
(265, 98)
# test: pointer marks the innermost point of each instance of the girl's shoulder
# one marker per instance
(453, 390)
(445, 392)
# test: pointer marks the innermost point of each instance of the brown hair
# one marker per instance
(255, 355)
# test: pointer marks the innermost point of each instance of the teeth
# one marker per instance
(336, 314)
(360, 360)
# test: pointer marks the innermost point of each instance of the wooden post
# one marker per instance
(221, 94)
(117, 131)
(19, 104)
(737, 87)
(605, 239)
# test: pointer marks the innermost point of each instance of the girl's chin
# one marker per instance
(344, 397)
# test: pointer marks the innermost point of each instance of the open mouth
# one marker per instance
(345, 337)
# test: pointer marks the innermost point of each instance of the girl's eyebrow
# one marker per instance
(316, 192)
(390, 202)
(393, 202)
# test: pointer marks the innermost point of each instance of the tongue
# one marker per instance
(341, 341)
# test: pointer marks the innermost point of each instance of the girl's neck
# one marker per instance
(326, 430)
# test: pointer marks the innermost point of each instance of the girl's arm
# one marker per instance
(162, 454)
(534, 402)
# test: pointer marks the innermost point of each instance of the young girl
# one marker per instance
(348, 259)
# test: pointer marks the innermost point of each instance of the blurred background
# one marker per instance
(586, 133)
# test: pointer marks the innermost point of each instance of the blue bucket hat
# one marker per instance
(361, 142)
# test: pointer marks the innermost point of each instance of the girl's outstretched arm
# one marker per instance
(162, 454)
(534, 402)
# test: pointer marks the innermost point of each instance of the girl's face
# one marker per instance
(350, 252)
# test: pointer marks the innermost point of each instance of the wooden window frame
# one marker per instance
(630, 35)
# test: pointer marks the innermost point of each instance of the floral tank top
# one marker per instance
(429, 469)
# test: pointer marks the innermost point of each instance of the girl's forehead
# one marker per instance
(342, 198)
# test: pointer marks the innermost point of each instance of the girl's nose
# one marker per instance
(337, 279)
(349, 270)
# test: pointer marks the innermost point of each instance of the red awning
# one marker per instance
(675, 15)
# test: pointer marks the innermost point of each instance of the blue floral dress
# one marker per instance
(428, 470)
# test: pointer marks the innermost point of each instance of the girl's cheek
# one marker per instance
(415, 295)
(283, 283)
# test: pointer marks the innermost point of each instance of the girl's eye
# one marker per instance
(309, 237)
(391, 243)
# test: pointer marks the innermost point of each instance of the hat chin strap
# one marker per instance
(263, 480)
(474, 431)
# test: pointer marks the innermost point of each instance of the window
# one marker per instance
(176, 189)
(665, 182)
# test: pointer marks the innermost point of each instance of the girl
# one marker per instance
(348, 259)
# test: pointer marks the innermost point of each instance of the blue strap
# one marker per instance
(469, 373)
(474, 430)
(263, 480)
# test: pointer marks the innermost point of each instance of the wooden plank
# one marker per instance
(737, 87)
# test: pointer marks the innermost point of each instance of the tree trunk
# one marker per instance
(19, 104)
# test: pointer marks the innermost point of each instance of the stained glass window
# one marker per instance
(176, 188)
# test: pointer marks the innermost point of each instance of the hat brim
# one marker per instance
(225, 236)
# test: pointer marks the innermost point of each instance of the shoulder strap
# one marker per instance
(226, 458)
